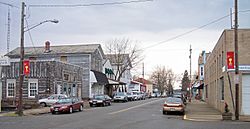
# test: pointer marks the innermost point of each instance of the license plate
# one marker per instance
(94, 102)
(172, 109)
(56, 109)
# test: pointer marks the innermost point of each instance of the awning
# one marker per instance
(98, 77)
(114, 82)
(200, 86)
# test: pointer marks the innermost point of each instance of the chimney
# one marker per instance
(47, 47)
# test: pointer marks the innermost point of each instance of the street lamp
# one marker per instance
(21, 74)
(53, 21)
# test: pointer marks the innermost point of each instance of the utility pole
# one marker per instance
(236, 61)
(21, 75)
(190, 76)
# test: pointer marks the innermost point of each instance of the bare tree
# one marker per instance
(123, 55)
(164, 78)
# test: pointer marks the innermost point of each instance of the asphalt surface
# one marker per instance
(145, 114)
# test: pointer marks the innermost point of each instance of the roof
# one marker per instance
(62, 49)
(144, 81)
(100, 77)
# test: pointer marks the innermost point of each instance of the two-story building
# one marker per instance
(219, 81)
(87, 56)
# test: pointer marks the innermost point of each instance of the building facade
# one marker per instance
(219, 81)
(45, 78)
(87, 56)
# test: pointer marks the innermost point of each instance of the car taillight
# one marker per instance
(165, 105)
(180, 105)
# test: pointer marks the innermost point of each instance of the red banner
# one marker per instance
(26, 67)
(230, 60)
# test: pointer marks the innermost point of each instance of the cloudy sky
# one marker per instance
(154, 25)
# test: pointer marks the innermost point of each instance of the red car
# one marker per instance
(67, 105)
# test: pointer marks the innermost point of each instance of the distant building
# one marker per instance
(218, 77)
(117, 62)
(147, 83)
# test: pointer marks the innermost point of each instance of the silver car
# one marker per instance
(121, 96)
(51, 99)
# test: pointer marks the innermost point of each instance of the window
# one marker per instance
(206, 91)
(33, 88)
(11, 84)
(201, 71)
(222, 87)
(63, 58)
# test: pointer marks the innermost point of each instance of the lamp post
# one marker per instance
(21, 74)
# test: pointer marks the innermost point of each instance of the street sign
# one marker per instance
(4, 61)
(26, 65)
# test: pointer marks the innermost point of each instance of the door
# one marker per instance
(245, 109)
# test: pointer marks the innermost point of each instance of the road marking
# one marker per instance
(126, 109)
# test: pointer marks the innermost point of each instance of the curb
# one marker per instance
(199, 120)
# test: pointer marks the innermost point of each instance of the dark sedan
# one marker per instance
(67, 105)
(100, 100)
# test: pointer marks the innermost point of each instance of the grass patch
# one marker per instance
(13, 114)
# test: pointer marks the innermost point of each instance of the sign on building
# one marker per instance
(230, 60)
(4, 61)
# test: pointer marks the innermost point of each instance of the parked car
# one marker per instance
(142, 95)
(51, 99)
(179, 95)
(136, 95)
(67, 105)
(173, 104)
(131, 96)
(100, 100)
(121, 96)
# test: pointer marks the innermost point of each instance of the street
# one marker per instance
(145, 114)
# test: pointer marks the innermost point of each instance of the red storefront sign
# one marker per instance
(230, 60)
(26, 67)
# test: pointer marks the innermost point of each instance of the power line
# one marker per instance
(188, 32)
(85, 5)
(9, 4)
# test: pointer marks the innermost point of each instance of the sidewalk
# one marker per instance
(200, 111)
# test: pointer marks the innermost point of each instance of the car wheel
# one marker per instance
(53, 112)
(91, 105)
(81, 108)
(70, 110)
(163, 112)
(43, 104)
(109, 103)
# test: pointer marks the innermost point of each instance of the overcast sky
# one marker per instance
(148, 23)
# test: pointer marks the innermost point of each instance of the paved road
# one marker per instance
(144, 114)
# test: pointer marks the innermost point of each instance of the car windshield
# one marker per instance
(64, 101)
(129, 93)
(173, 100)
(99, 97)
(120, 94)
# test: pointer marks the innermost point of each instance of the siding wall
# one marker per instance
(48, 73)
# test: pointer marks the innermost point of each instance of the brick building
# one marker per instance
(218, 77)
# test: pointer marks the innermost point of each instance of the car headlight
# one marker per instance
(90, 101)
(51, 107)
